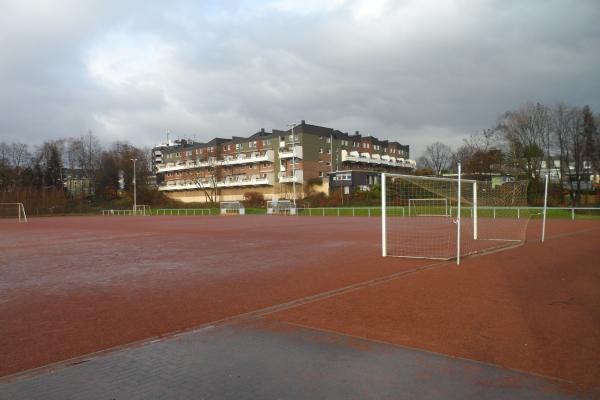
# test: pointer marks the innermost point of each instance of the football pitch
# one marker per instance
(309, 301)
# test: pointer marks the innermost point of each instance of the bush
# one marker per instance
(254, 199)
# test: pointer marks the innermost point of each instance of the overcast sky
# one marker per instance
(415, 71)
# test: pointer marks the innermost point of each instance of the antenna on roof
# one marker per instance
(167, 135)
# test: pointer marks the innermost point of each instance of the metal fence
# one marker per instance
(491, 212)
(182, 211)
(127, 212)
(484, 212)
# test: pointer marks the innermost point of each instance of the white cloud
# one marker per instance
(409, 70)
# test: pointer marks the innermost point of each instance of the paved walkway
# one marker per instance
(256, 359)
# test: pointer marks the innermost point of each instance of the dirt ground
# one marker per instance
(535, 308)
(75, 285)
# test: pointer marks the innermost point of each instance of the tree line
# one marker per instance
(71, 172)
(528, 143)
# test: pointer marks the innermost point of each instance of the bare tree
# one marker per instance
(19, 154)
(437, 156)
(567, 125)
(4, 153)
(527, 135)
(480, 153)
(85, 153)
(209, 183)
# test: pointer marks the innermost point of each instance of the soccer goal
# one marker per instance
(232, 208)
(428, 207)
(13, 211)
(281, 207)
(446, 218)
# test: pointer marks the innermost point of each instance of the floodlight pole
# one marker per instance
(293, 163)
(134, 187)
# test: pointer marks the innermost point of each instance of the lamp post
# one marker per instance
(293, 163)
(134, 187)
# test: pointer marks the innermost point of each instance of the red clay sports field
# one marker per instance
(71, 286)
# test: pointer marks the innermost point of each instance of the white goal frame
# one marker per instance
(232, 208)
(281, 207)
(433, 199)
(457, 219)
(20, 215)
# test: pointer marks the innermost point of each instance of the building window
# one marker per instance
(267, 142)
(321, 150)
(328, 164)
(320, 174)
(328, 140)
(252, 144)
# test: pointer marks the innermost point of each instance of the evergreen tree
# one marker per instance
(53, 175)
(590, 133)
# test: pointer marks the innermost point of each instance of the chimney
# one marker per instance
(356, 133)
(303, 122)
(262, 129)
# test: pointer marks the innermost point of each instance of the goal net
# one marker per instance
(446, 218)
(428, 207)
(13, 212)
(281, 207)
(232, 208)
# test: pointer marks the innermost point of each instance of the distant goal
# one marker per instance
(13, 212)
(232, 208)
(281, 207)
(446, 218)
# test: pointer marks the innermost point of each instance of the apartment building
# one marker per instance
(277, 163)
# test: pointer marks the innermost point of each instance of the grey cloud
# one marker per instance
(419, 72)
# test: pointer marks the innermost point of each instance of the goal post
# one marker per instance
(13, 211)
(449, 217)
(232, 208)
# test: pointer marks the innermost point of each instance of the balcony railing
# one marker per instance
(377, 160)
(228, 182)
(254, 158)
(297, 177)
(240, 159)
(289, 153)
